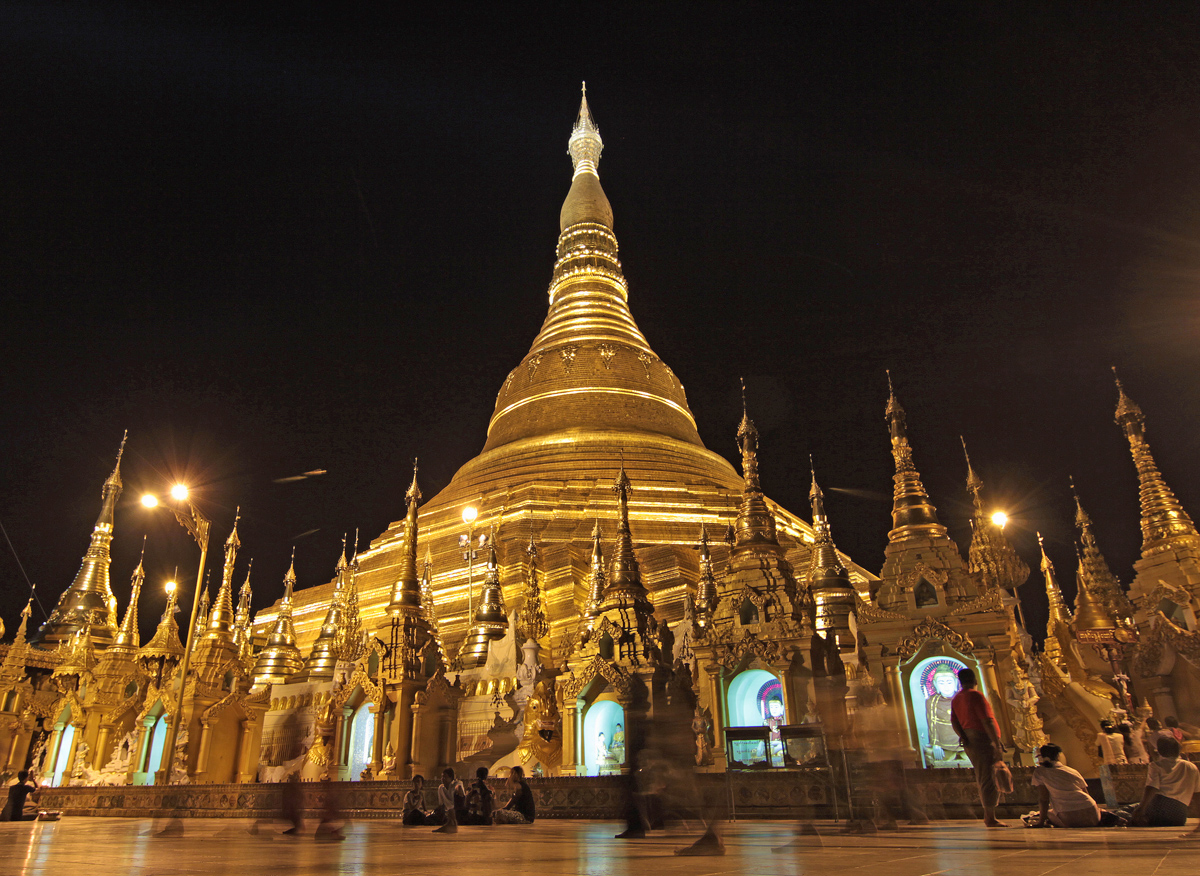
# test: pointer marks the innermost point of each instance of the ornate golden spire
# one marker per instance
(1058, 605)
(280, 659)
(89, 599)
(912, 512)
(351, 643)
(590, 367)
(755, 522)
(127, 636)
(534, 624)
(427, 603)
(241, 624)
(1059, 618)
(974, 482)
(1164, 522)
(491, 620)
(1090, 611)
(201, 615)
(585, 144)
(828, 580)
(1096, 570)
(625, 588)
(991, 557)
(324, 654)
(406, 592)
(221, 619)
(706, 587)
(597, 578)
(164, 650)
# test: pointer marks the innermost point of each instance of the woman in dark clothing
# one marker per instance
(520, 808)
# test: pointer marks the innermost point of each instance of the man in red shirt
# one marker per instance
(974, 722)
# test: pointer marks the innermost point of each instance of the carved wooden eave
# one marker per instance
(598, 667)
(992, 600)
(869, 613)
(933, 630)
(1164, 633)
(358, 678)
(730, 653)
(1163, 591)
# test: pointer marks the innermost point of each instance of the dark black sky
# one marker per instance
(272, 241)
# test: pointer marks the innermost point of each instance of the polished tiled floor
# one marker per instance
(89, 846)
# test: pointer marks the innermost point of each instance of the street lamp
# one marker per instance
(1000, 519)
(197, 525)
(467, 543)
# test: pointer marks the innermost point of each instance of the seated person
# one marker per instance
(451, 801)
(520, 808)
(480, 801)
(1063, 800)
(415, 812)
(1170, 783)
(20, 795)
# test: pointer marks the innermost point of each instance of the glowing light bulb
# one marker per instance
(170, 587)
(469, 514)
(179, 492)
(149, 500)
(1000, 518)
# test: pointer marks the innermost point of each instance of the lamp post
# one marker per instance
(468, 543)
(197, 526)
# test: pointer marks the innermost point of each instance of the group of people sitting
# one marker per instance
(475, 805)
(1064, 801)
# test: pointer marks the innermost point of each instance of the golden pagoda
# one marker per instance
(89, 600)
(590, 397)
(280, 659)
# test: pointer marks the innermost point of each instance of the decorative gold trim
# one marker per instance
(586, 390)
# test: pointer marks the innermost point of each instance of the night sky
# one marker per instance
(269, 242)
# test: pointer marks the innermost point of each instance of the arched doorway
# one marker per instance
(362, 737)
(604, 737)
(932, 684)
(754, 698)
(63, 755)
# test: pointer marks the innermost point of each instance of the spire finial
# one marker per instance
(1127, 409)
(974, 482)
(414, 491)
(585, 144)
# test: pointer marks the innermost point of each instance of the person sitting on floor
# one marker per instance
(480, 801)
(520, 808)
(451, 799)
(415, 813)
(1170, 783)
(1063, 800)
(20, 795)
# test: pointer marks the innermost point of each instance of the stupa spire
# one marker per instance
(912, 511)
(1163, 519)
(280, 659)
(89, 600)
(755, 522)
(585, 144)
(241, 624)
(324, 654)
(491, 620)
(625, 588)
(534, 624)
(589, 348)
(221, 619)
(128, 636)
(406, 591)
(1096, 570)
(1058, 606)
(828, 578)
(706, 587)
(597, 577)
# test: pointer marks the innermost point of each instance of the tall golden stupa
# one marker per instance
(589, 396)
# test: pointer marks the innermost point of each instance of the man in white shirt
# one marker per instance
(1170, 783)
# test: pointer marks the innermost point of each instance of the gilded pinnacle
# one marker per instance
(585, 144)
(974, 482)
